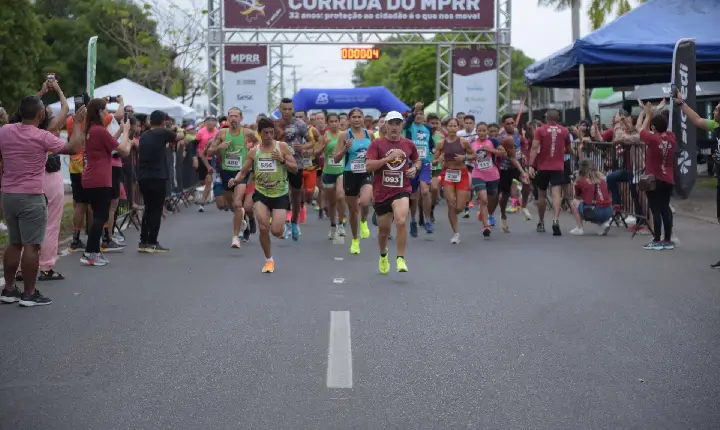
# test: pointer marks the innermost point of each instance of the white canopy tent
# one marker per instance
(142, 99)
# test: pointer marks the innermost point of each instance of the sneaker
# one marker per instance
(401, 265)
(715, 266)
(144, 247)
(364, 230)
(355, 247)
(455, 239)
(158, 249)
(556, 229)
(428, 228)
(341, 230)
(92, 259)
(654, 246)
(286, 233)
(76, 245)
(413, 228)
(235, 242)
(668, 244)
(118, 238)
(577, 231)
(253, 226)
(486, 232)
(540, 228)
(112, 246)
(269, 266)
(491, 221)
(10, 296)
(36, 299)
(504, 226)
(201, 208)
(384, 264)
(605, 228)
(526, 214)
(295, 231)
(246, 236)
(466, 213)
(332, 233)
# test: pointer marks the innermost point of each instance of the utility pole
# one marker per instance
(295, 79)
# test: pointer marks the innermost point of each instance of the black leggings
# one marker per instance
(659, 202)
(153, 192)
(99, 199)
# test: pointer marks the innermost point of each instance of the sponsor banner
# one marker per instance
(475, 82)
(245, 80)
(360, 14)
(683, 77)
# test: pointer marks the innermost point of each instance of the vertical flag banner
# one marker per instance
(683, 77)
(475, 83)
(91, 65)
(245, 79)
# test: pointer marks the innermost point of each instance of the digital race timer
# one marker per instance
(360, 53)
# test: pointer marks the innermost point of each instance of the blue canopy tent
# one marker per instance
(637, 48)
(379, 98)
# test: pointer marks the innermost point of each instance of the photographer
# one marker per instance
(97, 174)
(153, 174)
(24, 148)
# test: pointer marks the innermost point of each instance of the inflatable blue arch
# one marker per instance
(334, 99)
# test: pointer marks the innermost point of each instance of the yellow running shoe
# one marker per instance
(401, 266)
(364, 230)
(384, 264)
(269, 266)
(355, 246)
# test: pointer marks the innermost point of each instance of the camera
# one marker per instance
(50, 77)
(112, 99)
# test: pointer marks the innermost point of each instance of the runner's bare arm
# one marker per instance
(251, 139)
(308, 139)
(288, 158)
(214, 145)
(247, 166)
(340, 148)
(469, 153)
(320, 147)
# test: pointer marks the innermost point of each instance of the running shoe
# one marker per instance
(332, 233)
(10, 296)
(341, 230)
(158, 249)
(364, 230)
(715, 266)
(556, 229)
(668, 244)
(111, 247)
(287, 232)
(295, 231)
(654, 246)
(36, 299)
(355, 246)
(413, 228)
(92, 259)
(428, 228)
(455, 239)
(486, 232)
(491, 221)
(253, 226)
(401, 265)
(526, 214)
(269, 266)
(118, 238)
(504, 226)
(235, 242)
(201, 208)
(144, 248)
(577, 231)
(605, 229)
(540, 228)
(384, 264)
(466, 213)
(246, 236)
(76, 245)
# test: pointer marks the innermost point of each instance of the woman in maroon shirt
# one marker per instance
(591, 190)
(659, 162)
(97, 174)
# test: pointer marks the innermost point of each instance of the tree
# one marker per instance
(598, 11)
(22, 47)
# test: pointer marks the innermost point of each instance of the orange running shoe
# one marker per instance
(269, 266)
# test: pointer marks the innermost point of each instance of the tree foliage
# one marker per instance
(155, 46)
(410, 72)
(599, 10)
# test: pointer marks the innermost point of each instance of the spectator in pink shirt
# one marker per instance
(24, 148)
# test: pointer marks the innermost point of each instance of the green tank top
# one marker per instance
(331, 167)
(234, 155)
(270, 175)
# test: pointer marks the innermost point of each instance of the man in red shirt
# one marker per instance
(394, 161)
(547, 166)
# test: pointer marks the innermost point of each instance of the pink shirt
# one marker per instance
(24, 150)
(203, 137)
(483, 167)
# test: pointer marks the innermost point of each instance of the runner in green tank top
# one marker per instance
(232, 145)
(332, 176)
(435, 124)
(270, 163)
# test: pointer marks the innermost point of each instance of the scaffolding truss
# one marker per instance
(275, 39)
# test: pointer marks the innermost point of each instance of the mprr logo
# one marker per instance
(245, 59)
(396, 163)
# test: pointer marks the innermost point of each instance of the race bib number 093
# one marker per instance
(267, 165)
(392, 179)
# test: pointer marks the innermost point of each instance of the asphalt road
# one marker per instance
(523, 331)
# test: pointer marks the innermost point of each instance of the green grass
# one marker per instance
(65, 227)
(706, 182)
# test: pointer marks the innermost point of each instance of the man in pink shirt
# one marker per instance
(24, 148)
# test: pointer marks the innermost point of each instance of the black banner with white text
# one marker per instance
(683, 78)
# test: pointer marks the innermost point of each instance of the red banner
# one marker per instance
(360, 14)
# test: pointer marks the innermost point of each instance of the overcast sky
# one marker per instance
(537, 31)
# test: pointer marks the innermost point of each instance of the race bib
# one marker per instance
(331, 161)
(307, 162)
(392, 178)
(518, 154)
(422, 151)
(234, 162)
(480, 165)
(267, 165)
(453, 175)
(358, 166)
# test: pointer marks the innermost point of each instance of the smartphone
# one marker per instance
(50, 77)
(597, 118)
(79, 101)
(112, 99)
(673, 90)
(126, 116)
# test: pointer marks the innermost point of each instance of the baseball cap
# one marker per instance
(210, 118)
(393, 115)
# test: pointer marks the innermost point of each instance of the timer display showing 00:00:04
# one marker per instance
(360, 53)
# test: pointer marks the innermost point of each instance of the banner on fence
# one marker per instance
(475, 83)
(91, 65)
(245, 79)
(683, 77)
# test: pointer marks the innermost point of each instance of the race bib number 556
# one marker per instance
(392, 179)
(267, 165)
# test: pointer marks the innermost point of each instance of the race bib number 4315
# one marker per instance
(392, 179)
(267, 165)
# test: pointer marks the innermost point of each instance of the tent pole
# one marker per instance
(530, 104)
(583, 93)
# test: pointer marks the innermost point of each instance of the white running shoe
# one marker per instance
(455, 239)
(332, 233)
(604, 229)
(577, 232)
(526, 214)
(341, 230)
(235, 242)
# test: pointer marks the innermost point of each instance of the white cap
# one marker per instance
(393, 115)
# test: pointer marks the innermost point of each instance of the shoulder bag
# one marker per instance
(53, 163)
(589, 209)
(647, 183)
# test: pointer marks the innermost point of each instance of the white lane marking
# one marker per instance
(338, 280)
(339, 367)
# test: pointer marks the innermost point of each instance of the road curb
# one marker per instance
(695, 216)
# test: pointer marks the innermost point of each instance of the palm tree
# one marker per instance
(599, 10)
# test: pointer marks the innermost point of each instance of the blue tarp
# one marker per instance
(379, 98)
(636, 48)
